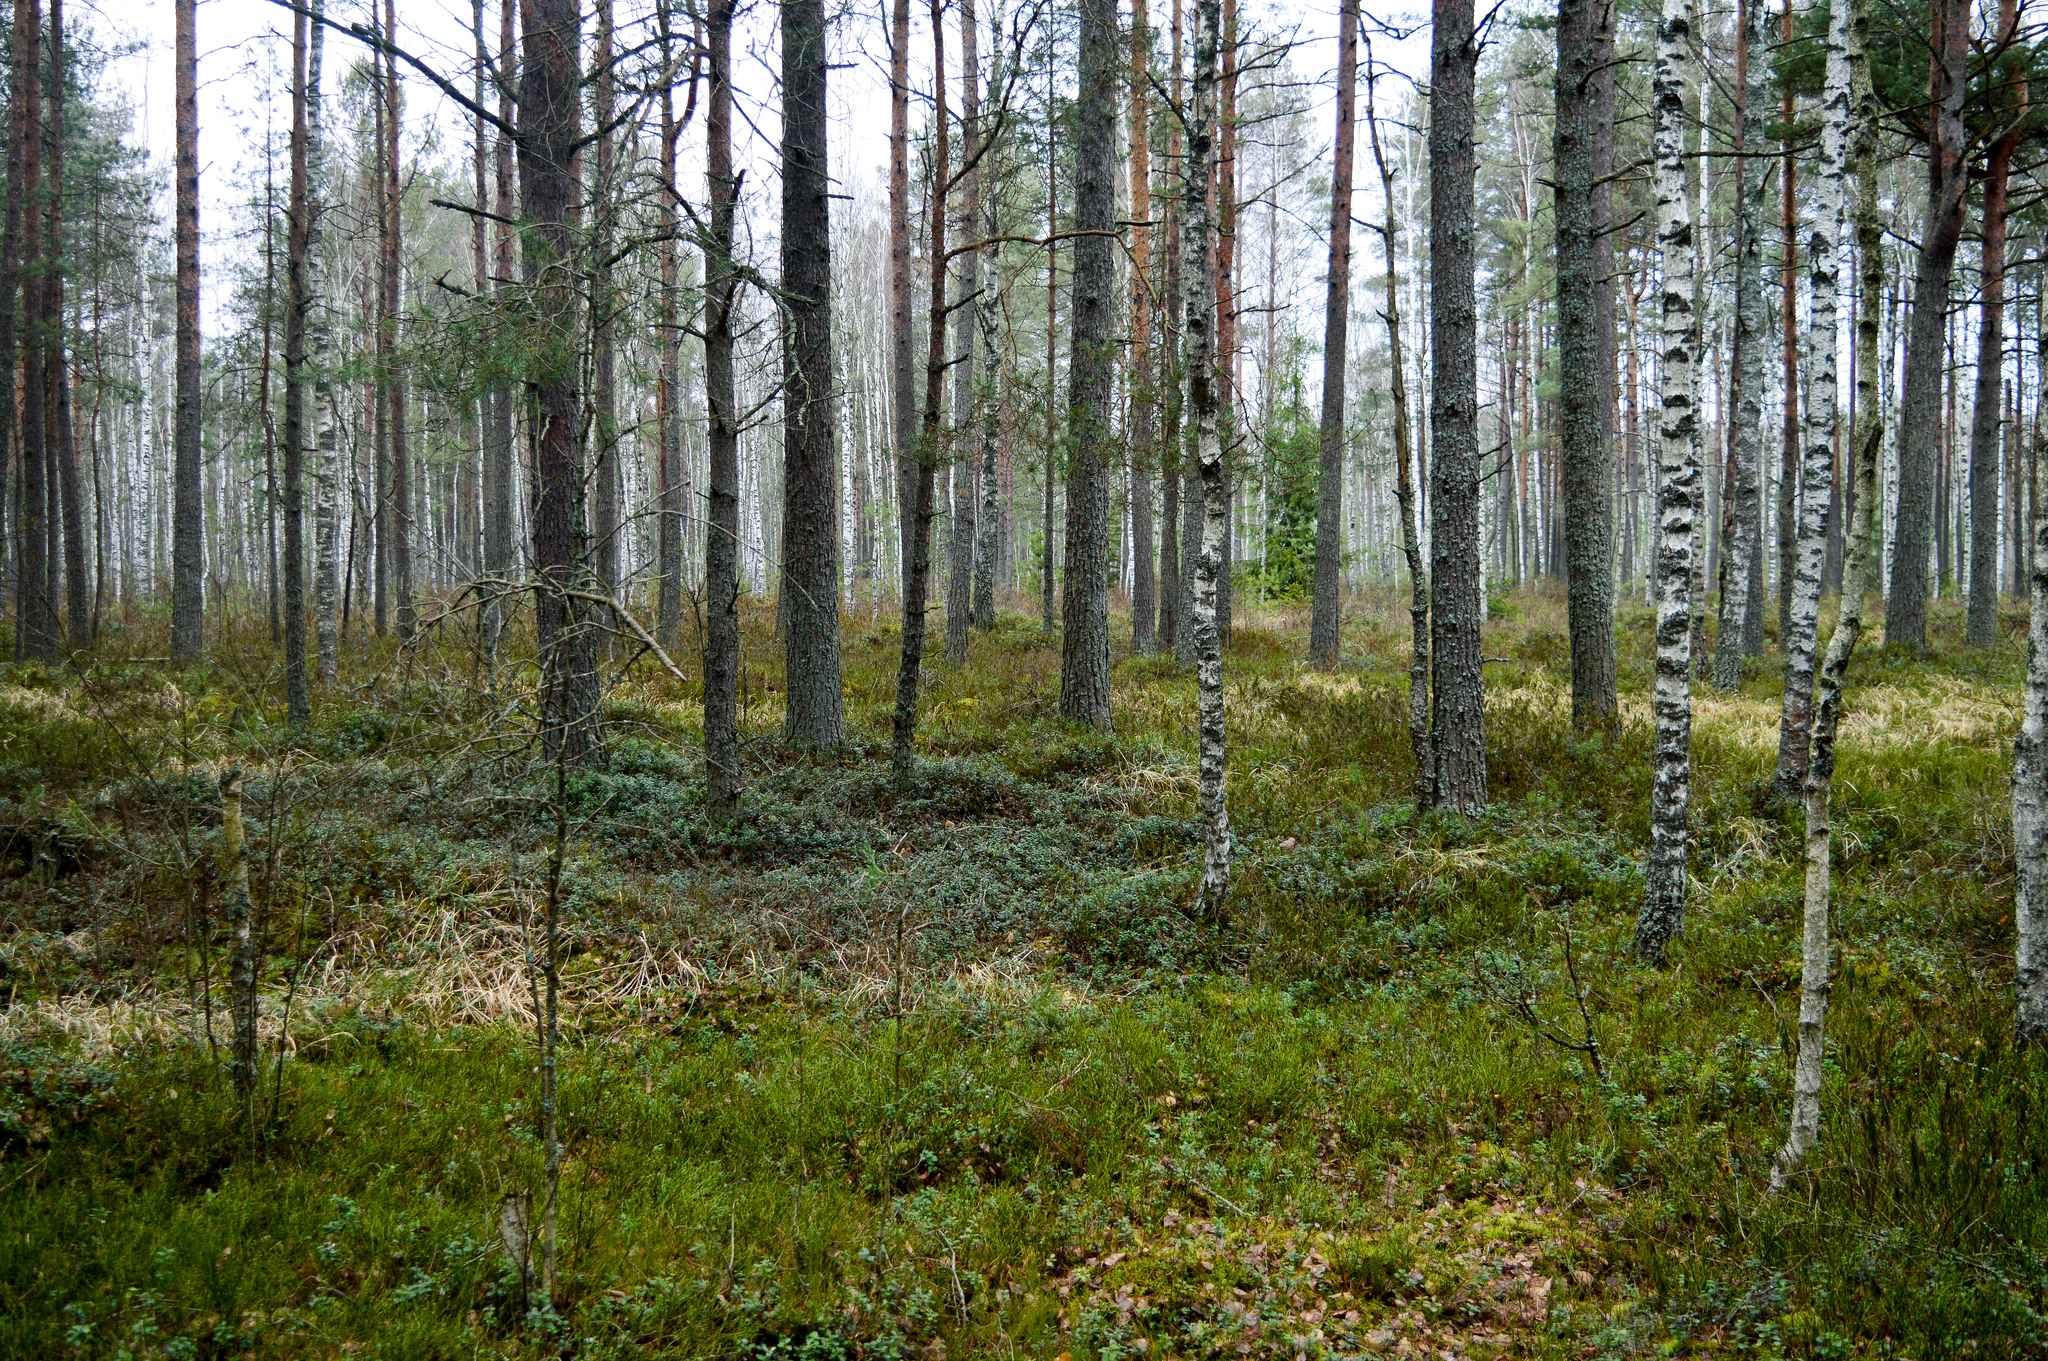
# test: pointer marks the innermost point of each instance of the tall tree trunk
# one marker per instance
(1745, 519)
(672, 478)
(499, 522)
(1800, 633)
(1788, 298)
(70, 477)
(1226, 305)
(1198, 276)
(37, 609)
(989, 391)
(1143, 385)
(11, 315)
(1325, 613)
(1404, 476)
(918, 583)
(401, 516)
(1084, 654)
(1585, 42)
(319, 339)
(298, 703)
(967, 274)
(1457, 605)
(1818, 769)
(902, 382)
(188, 528)
(605, 508)
(810, 449)
(1172, 459)
(722, 533)
(376, 318)
(1678, 498)
(1920, 415)
(1981, 629)
(550, 78)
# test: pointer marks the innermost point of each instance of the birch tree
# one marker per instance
(1678, 498)
(1740, 614)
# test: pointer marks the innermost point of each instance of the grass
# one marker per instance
(953, 1073)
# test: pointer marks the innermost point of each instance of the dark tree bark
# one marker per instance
(810, 449)
(1456, 603)
(722, 533)
(298, 703)
(1981, 629)
(64, 445)
(1084, 653)
(604, 306)
(1920, 388)
(989, 390)
(188, 548)
(327, 580)
(903, 384)
(1585, 44)
(1144, 392)
(37, 610)
(399, 521)
(1172, 460)
(673, 473)
(1741, 629)
(10, 309)
(498, 480)
(1325, 614)
(966, 270)
(548, 134)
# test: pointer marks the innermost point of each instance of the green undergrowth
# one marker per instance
(951, 1070)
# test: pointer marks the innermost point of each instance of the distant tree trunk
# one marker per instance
(1788, 298)
(1457, 604)
(376, 320)
(319, 337)
(722, 533)
(1198, 275)
(36, 613)
(1818, 770)
(1326, 612)
(604, 305)
(902, 382)
(298, 703)
(1678, 498)
(1084, 654)
(400, 520)
(188, 527)
(548, 134)
(70, 478)
(967, 272)
(11, 315)
(498, 462)
(1404, 476)
(1801, 631)
(810, 451)
(1047, 580)
(1745, 543)
(1981, 629)
(1585, 41)
(989, 391)
(918, 583)
(1920, 413)
(673, 476)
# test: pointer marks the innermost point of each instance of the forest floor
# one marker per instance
(954, 1073)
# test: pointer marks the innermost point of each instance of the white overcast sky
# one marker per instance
(244, 52)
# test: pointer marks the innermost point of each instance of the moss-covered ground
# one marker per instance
(953, 1073)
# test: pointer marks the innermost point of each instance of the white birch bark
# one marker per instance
(1198, 244)
(1678, 497)
(1844, 69)
(319, 345)
(2030, 804)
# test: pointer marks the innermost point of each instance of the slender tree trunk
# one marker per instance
(1788, 441)
(1678, 498)
(989, 391)
(243, 952)
(1084, 655)
(1920, 415)
(1172, 458)
(298, 702)
(1144, 404)
(1456, 602)
(11, 313)
(902, 382)
(1325, 613)
(1800, 632)
(918, 583)
(672, 475)
(967, 273)
(548, 135)
(605, 481)
(1198, 276)
(37, 610)
(1738, 637)
(400, 520)
(722, 533)
(1981, 629)
(810, 452)
(70, 477)
(1404, 477)
(319, 337)
(188, 528)
(499, 521)
(1845, 53)
(1585, 42)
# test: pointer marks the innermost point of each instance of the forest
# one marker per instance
(1274, 683)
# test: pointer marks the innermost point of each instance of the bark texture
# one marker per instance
(967, 272)
(1457, 604)
(810, 451)
(1981, 627)
(319, 348)
(1084, 649)
(1678, 498)
(1326, 610)
(722, 530)
(497, 478)
(188, 527)
(1144, 394)
(298, 703)
(2030, 802)
(902, 383)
